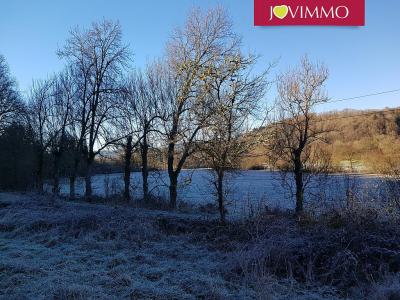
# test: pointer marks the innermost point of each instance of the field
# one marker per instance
(53, 249)
(246, 191)
(80, 251)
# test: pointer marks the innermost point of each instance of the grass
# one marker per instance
(75, 250)
(81, 251)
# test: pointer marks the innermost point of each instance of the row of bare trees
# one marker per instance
(175, 102)
(199, 98)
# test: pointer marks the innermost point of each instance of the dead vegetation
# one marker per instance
(80, 251)
(345, 250)
(348, 253)
(85, 251)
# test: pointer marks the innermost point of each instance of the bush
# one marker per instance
(342, 250)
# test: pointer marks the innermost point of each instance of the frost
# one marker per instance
(82, 251)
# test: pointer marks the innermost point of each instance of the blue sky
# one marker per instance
(361, 60)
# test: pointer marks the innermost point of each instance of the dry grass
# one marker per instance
(63, 250)
(86, 251)
(338, 252)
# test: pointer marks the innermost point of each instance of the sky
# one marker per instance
(361, 60)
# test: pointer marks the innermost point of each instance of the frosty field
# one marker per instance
(78, 251)
(64, 250)
(245, 190)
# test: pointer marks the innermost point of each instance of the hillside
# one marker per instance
(360, 140)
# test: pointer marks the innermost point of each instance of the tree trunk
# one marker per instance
(40, 172)
(88, 179)
(173, 187)
(145, 168)
(56, 177)
(173, 176)
(127, 168)
(72, 178)
(220, 192)
(298, 176)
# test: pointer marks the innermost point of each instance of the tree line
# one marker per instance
(199, 98)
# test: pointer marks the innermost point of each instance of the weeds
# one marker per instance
(343, 250)
(76, 250)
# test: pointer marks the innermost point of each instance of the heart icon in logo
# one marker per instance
(281, 11)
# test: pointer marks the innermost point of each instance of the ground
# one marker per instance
(56, 249)
(73, 251)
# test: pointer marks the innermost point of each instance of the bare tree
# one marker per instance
(236, 96)
(99, 59)
(78, 124)
(141, 108)
(10, 101)
(128, 126)
(40, 120)
(297, 128)
(205, 38)
(60, 117)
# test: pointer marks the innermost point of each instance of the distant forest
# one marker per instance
(360, 141)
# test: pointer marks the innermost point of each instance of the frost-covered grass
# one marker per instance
(81, 251)
(74, 250)
(351, 253)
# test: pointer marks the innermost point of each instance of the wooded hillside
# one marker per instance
(360, 141)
